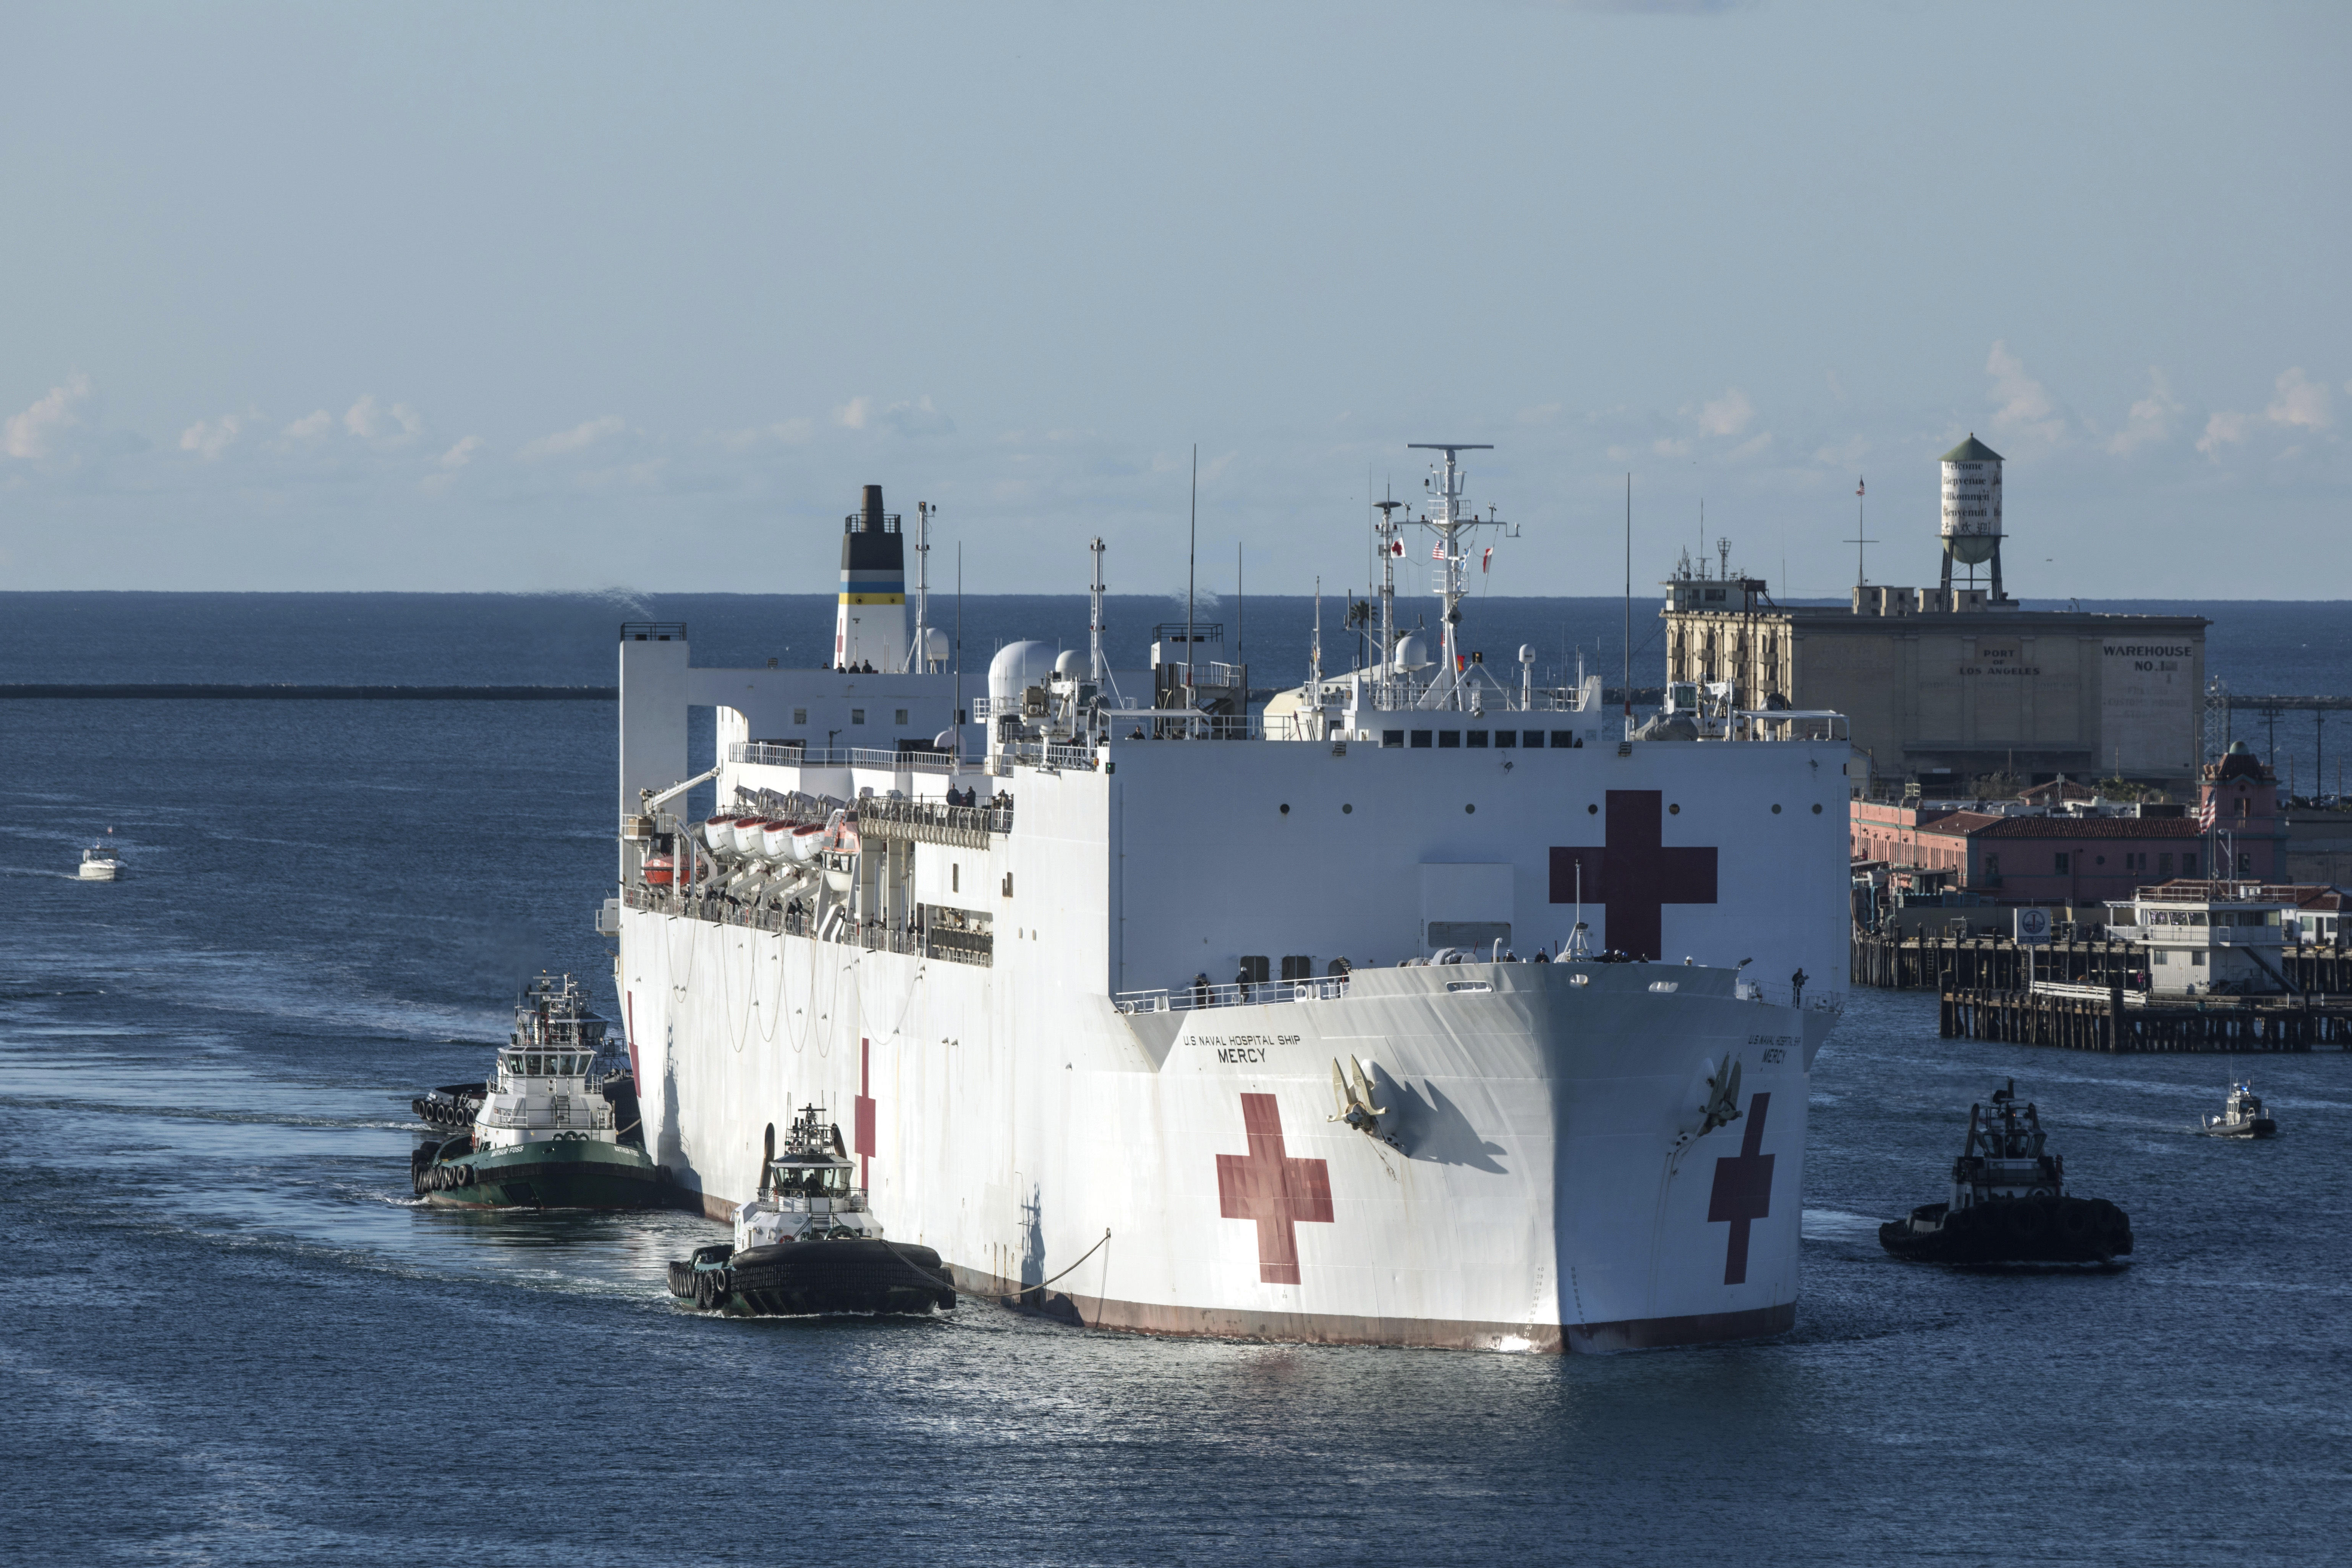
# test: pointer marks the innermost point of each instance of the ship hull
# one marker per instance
(581, 1174)
(1539, 1180)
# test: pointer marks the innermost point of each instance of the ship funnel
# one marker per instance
(869, 514)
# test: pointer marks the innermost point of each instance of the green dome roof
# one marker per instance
(1971, 451)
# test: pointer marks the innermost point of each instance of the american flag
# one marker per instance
(1438, 550)
(2206, 813)
(1857, 485)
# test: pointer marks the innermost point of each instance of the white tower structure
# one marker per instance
(1971, 527)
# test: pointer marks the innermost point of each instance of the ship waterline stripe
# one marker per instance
(1346, 1329)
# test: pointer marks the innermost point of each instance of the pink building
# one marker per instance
(2075, 853)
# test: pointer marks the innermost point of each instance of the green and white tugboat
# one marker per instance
(808, 1244)
(554, 1126)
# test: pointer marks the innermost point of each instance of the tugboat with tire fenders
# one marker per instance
(2009, 1202)
(808, 1244)
(554, 1126)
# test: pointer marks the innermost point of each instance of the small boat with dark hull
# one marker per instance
(2009, 1202)
(809, 1244)
(2243, 1115)
(554, 1126)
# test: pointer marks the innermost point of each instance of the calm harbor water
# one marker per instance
(231, 1337)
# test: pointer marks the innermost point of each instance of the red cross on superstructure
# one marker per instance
(864, 1107)
(1273, 1189)
(1743, 1190)
(1635, 874)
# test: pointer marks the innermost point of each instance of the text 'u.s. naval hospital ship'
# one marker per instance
(1377, 1126)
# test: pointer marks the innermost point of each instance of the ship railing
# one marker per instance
(959, 947)
(774, 753)
(1187, 998)
(1788, 724)
(1181, 724)
(933, 822)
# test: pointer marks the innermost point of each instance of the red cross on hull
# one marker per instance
(1635, 874)
(1268, 1186)
(864, 1107)
(1743, 1190)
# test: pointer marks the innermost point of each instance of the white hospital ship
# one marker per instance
(1241, 988)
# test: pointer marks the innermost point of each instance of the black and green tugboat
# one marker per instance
(808, 1244)
(2009, 1202)
(555, 1125)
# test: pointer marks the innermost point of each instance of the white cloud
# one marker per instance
(2301, 402)
(579, 439)
(783, 432)
(916, 418)
(2150, 419)
(2221, 430)
(208, 438)
(372, 421)
(459, 455)
(39, 430)
(2026, 406)
(1727, 414)
(310, 427)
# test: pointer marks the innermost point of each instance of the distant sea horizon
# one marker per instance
(2268, 646)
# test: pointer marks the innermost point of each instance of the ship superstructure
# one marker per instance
(1088, 952)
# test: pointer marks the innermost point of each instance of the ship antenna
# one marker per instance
(1628, 692)
(1192, 551)
(956, 696)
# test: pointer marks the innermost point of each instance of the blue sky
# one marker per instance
(552, 297)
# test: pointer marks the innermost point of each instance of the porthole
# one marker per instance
(1468, 809)
(1817, 808)
(1592, 811)
(1776, 811)
(1673, 811)
(1285, 808)
(1345, 810)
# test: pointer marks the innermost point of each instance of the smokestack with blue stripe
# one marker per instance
(870, 625)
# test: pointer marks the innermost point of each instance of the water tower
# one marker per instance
(1971, 528)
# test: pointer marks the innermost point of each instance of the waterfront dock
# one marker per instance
(2091, 1018)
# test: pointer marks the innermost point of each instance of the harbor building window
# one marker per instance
(2164, 864)
(901, 719)
(2064, 861)
(1449, 740)
(2245, 863)
(2189, 865)
(1420, 739)
(800, 715)
(1992, 864)
(1477, 739)
(857, 715)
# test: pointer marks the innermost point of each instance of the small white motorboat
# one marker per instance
(100, 864)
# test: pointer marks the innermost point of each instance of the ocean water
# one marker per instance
(231, 1337)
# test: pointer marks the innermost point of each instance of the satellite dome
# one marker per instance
(1412, 653)
(1016, 666)
(1070, 664)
